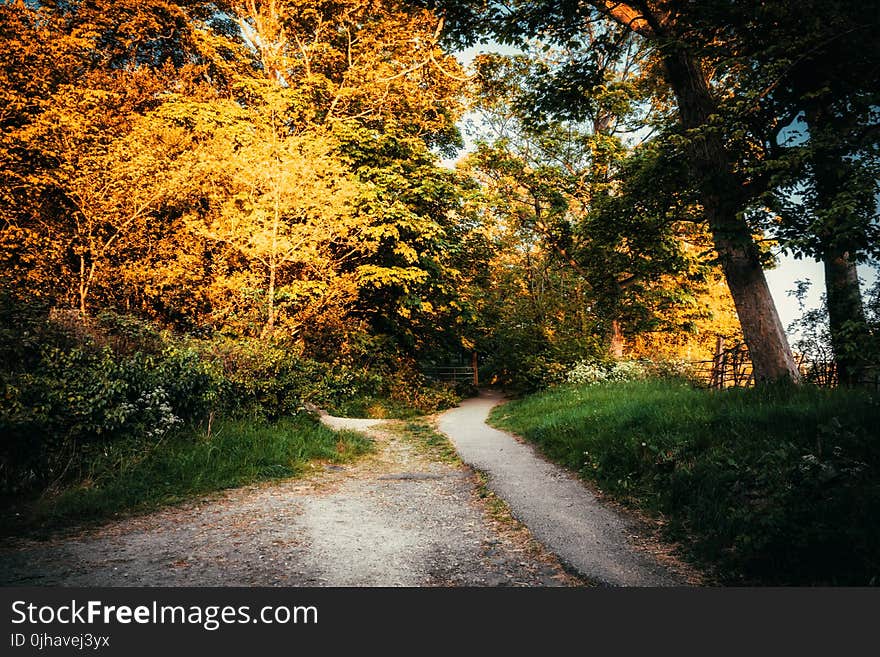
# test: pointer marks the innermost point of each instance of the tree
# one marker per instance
(414, 245)
(377, 62)
(569, 181)
(76, 80)
(722, 190)
(114, 190)
(277, 202)
(257, 167)
(805, 84)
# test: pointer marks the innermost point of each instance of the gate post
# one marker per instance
(718, 363)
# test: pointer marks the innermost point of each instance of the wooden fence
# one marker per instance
(729, 368)
(732, 367)
(455, 373)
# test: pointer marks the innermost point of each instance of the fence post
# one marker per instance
(474, 366)
(718, 363)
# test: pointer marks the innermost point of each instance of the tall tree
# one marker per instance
(377, 62)
(263, 167)
(566, 175)
(76, 78)
(805, 80)
(722, 189)
(278, 201)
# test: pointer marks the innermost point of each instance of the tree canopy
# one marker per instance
(728, 80)
(272, 170)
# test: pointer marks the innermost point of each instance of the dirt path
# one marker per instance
(602, 544)
(400, 517)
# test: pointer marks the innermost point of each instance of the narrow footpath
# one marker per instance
(596, 541)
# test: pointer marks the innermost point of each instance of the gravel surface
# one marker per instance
(399, 517)
(598, 542)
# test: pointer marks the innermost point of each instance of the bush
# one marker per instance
(193, 386)
(402, 392)
(680, 370)
(589, 373)
(594, 371)
(412, 388)
(626, 370)
(70, 384)
(429, 397)
(584, 373)
(73, 397)
(528, 373)
(75, 390)
(258, 378)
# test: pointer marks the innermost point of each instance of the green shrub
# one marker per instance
(69, 383)
(123, 334)
(402, 393)
(588, 372)
(259, 378)
(193, 386)
(584, 373)
(72, 397)
(532, 372)
(680, 370)
(77, 390)
(411, 388)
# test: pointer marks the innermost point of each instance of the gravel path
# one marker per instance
(398, 517)
(601, 544)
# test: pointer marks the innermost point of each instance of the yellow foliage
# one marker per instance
(279, 204)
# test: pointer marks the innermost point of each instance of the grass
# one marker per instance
(421, 433)
(373, 407)
(130, 478)
(771, 486)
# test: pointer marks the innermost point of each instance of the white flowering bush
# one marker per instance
(155, 413)
(586, 373)
(627, 370)
(589, 373)
(671, 369)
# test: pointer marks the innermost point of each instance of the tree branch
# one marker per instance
(626, 15)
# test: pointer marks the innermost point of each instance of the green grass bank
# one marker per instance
(135, 476)
(765, 486)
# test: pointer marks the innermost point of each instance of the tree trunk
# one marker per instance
(616, 348)
(85, 284)
(270, 315)
(273, 266)
(771, 355)
(846, 314)
(82, 286)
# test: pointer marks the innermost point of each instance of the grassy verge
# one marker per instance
(421, 433)
(774, 486)
(134, 478)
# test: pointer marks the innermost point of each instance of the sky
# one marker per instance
(782, 279)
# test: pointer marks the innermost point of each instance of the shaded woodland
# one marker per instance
(217, 211)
